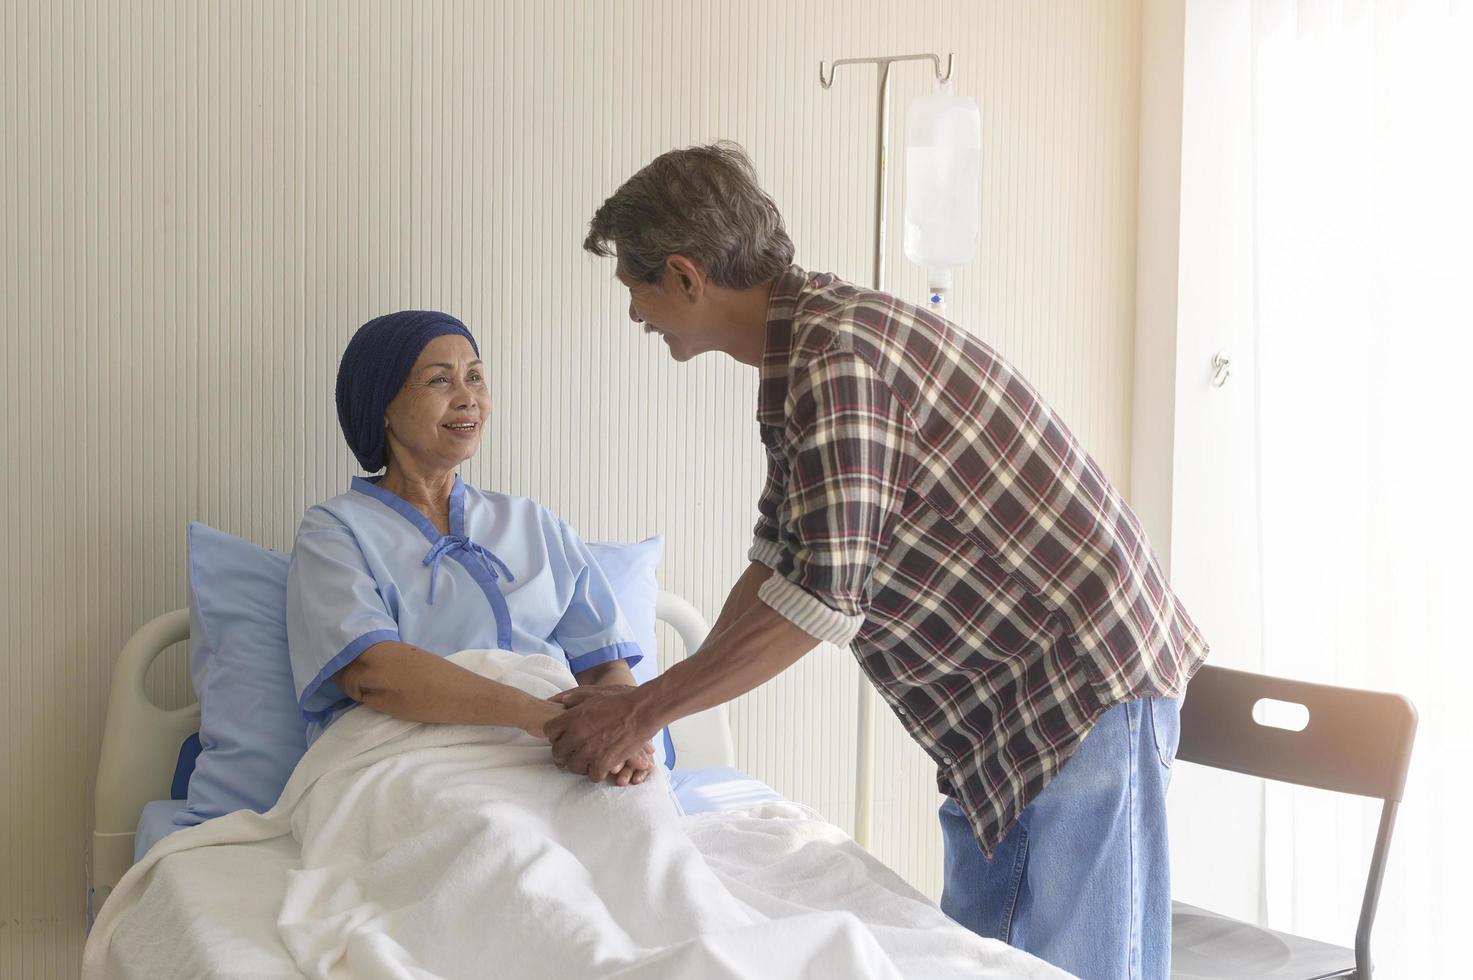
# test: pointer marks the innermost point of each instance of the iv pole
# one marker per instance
(864, 771)
(882, 134)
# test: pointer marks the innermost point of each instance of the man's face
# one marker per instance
(667, 309)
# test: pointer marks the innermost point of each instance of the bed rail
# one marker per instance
(140, 746)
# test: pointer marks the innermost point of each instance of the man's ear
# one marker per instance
(686, 276)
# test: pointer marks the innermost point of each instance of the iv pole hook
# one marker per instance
(826, 77)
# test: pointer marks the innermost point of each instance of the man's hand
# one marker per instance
(599, 734)
(603, 726)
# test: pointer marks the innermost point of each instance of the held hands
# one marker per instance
(598, 735)
(632, 770)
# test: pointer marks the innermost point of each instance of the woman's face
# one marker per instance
(435, 421)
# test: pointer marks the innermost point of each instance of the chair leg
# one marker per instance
(1363, 963)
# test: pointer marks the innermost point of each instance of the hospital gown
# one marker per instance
(367, 567)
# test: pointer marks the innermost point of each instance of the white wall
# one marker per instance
(1158, 244)
(1214, 552)
(1193, 457)
(202, 201)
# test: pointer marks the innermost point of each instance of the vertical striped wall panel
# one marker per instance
(202, 200)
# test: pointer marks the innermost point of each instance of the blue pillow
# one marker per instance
(251, 733)
(630, 569)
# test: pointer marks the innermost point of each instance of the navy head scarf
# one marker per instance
(373, 369)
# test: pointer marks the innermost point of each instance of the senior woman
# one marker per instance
(410, 566)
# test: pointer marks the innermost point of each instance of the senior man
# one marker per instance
(924, 506)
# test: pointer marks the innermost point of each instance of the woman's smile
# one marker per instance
(463, 425)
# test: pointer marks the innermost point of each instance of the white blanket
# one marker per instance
(459, 851)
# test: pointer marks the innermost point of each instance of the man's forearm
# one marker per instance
(741, 597)
(755, 647)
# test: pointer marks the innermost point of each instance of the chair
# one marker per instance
(1357, 742)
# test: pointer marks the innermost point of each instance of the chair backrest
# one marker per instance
(1355, 742)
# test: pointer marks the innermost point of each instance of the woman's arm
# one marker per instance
(413, 684)
(609, 672)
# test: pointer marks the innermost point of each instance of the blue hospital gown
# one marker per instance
(367, 567)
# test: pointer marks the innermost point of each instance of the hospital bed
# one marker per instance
(141, 748)
(186, 925)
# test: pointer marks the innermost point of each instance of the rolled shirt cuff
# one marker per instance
(807, 612)
(768, 553)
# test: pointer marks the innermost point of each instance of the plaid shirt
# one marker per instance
(924, 506)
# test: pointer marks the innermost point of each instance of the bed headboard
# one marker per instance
(140, 741)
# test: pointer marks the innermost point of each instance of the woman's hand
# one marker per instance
(538, 714)
(636, 769)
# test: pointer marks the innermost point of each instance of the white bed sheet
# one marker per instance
(696, 791)
(378, 856)
(188, 929)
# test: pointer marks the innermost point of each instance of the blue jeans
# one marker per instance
(1083, 879)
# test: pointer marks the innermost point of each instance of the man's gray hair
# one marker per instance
(702, 202)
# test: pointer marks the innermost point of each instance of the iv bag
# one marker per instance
(943, 178)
